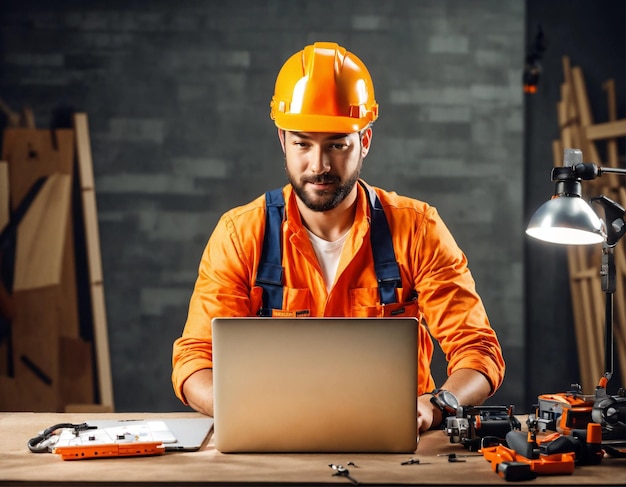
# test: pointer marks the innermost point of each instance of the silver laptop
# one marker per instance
(315, 384)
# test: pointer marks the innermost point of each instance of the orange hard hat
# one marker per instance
(323, 88)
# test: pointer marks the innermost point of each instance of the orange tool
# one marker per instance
(132, 449)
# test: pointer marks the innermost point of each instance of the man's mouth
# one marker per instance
(322, 182)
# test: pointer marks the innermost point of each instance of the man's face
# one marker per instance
(324, 167)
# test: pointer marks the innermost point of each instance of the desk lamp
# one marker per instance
(567, 219)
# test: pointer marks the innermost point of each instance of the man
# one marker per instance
(323, 107)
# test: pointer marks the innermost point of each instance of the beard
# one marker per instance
(324, 200)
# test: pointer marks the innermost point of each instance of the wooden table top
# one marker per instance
(19, 466)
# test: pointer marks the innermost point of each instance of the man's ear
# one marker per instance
(366, 141)
(281, 137)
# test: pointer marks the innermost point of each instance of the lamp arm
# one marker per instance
(588, 170)
(614, 170)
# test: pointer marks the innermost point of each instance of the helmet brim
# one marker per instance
(321, 123)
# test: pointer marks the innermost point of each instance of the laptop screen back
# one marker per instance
(315, 384)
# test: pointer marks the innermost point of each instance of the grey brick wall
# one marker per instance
(177, 95)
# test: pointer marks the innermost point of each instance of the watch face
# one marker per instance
(449, 399)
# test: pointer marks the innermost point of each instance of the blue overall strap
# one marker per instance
(385, 264)
(270, 272)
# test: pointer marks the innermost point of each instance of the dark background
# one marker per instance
(177, 95)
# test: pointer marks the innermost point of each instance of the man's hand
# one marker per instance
(469, 386)
(198, 390)
(427, 413)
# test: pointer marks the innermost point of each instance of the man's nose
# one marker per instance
(319, 162)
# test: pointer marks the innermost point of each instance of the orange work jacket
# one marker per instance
(432, 267)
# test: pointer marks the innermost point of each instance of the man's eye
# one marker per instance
(338, 146)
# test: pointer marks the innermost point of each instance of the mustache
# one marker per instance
(321, 179)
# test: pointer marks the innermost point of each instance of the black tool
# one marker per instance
(341, 471)
(472, 424)
(40, 443)
(515, 471)
(411, 461)
(454, 457)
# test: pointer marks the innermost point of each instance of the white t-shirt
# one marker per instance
(328, 254)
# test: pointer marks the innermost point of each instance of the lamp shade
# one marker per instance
(566, 220)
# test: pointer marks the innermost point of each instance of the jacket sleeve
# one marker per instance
(453, 310)
(222, 288)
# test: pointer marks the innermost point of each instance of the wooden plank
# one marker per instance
(43, 314)
(578, 289)
(590, 152)
(567, 119)
(557, 151)
(41, 236)
(33, 154)
(25, 393)
(13, 118)
(7, 309)
(75, 372)
(92, 239)
(27, 118)
(4, 194)
(611, 144)
(592, 359)
(580, 94)
(607, 130)
(567, 75)
(36, 357)
(589, 358)
(88, 408)
(571, 135)
(584, 273)
(579, 330)
(87, 186)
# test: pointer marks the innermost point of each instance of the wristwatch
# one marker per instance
(445, 401)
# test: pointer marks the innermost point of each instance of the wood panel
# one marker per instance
(42, 234)
(44, 289)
